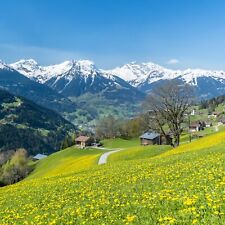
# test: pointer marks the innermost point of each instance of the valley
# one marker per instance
(112, 112)
(72, 88)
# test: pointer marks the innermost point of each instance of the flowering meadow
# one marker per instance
(185, 185)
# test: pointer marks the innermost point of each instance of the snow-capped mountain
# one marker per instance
(18, 84)
(146, 76)
(137, 74)
(33, 70)
(74, 78)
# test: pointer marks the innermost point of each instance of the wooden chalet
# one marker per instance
(84, 141)
(153, 138)
(196, 126)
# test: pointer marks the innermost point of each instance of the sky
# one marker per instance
(177, 34)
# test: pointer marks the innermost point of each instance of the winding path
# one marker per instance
(103, 158)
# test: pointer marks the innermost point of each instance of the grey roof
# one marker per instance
(39, 156)
(150, 135)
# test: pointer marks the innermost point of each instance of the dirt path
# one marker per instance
(103, 158)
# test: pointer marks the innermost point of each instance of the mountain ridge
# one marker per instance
(75, 78)
(82, 76)
(131, 71)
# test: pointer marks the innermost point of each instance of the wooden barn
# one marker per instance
(196, 126)
(153, 138)
(150, 138)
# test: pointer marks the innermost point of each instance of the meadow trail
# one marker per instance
(103, 158)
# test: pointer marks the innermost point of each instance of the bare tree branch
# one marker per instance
(167, 105)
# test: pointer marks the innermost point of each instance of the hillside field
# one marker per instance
(139, 185)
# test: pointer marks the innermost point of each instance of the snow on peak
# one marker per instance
(137, 73)
(30, 68)
(27, 67)
(84, 67)
(191, 75)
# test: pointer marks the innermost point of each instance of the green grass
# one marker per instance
(183, 186)
(121, 143)
(207, 131)
(220, 108)
(69, 160)
(140, 152)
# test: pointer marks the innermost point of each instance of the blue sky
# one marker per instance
(173, 33)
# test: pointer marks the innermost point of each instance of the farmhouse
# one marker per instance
(83, 141)
(153, 138)
(150, 138)
(196, 126)
(215, 114)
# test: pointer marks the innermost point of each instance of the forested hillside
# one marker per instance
(23, 124)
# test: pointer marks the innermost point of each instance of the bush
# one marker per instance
(16, 168)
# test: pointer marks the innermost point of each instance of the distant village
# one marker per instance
(194, 130)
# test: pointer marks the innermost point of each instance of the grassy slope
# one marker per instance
(139, 152)
(207, 131)
(121, 143)
(183, 186)
(66, 161)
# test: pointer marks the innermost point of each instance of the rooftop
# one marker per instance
(82, 138)
(150, 135)
(39, 156)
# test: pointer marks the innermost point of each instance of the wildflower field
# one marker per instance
(185, 185)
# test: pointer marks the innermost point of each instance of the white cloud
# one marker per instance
(173, 61)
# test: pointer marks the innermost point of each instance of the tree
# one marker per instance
(167, 105)
(68, 141)
(16, 168)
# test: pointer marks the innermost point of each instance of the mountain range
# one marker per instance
(145, 76)
(18, 84)
(130, 81)
(75, 78)
(81, 92)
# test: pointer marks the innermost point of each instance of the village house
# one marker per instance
(222, 120)
(193, 112)
(153, 138)
(215, 114)
(196, 126)
(83, 141)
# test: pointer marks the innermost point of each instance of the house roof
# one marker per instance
(39, 156)
(150, 135)
(195, 124)
(82, 138)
